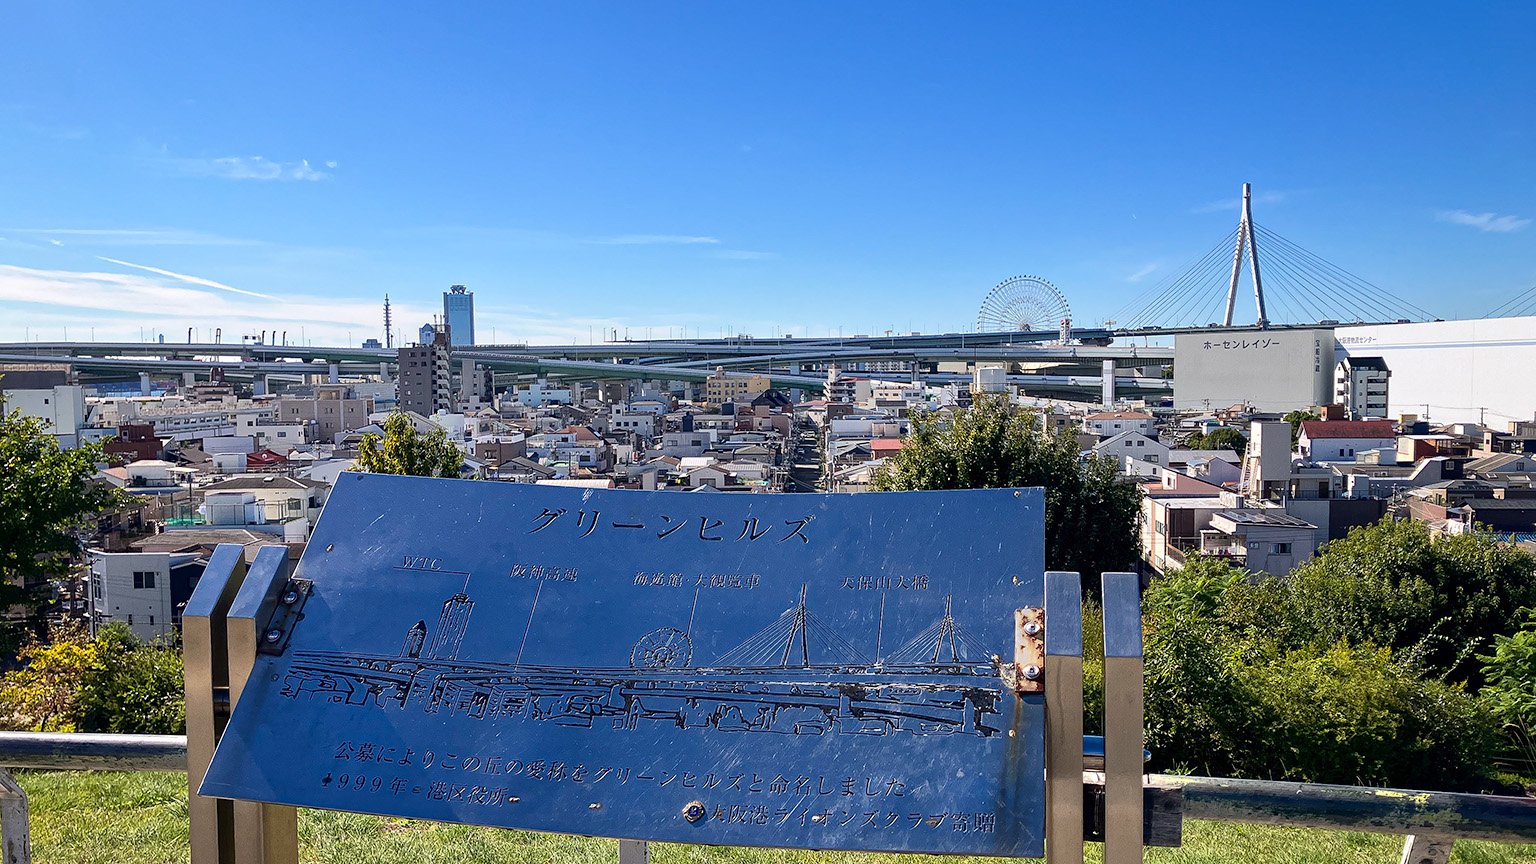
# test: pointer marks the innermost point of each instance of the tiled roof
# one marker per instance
(1317, 430)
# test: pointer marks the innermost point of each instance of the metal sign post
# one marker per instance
(1063, 718)
(206, 660)
(1124, 736)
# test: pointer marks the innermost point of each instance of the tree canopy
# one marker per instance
(1090, 514)
(1394, 585)
(404, 450)
(1222, 438)
(1296, 418)
(47, 496)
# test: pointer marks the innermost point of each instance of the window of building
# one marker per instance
(130, 619)
(151, 620)
(295, 504)
(1282, 548)
(143, 579)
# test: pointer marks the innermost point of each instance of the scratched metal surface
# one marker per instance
(811, 671)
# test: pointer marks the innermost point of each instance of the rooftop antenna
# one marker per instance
(1245, 239)
(389, 333)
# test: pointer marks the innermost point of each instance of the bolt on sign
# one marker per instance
(807, 671)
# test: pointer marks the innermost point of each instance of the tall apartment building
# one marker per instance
(459, 315)
(1360, 385)
(426, 378)
(838, 388)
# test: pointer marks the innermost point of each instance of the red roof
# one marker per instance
(885, 445)
(1316, 430)
(264, 457)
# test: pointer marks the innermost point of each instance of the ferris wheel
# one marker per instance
(666, 648)
(1022, 303)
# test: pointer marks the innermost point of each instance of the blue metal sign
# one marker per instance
(811, 671)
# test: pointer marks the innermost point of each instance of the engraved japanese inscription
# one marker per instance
(815, 671)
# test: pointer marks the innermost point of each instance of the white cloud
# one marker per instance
(131, 237)
(1491, 222)
(118, 306)
(251, 168)
(193, 280)
(330, 163)
(1235, 205)
(655, 240)
(1143, 272)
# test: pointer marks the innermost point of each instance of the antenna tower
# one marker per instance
(1245, 239)
(389, 332)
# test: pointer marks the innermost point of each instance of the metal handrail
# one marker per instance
(86, 751)
(1496, 818)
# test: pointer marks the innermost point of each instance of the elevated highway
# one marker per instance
(789, 363)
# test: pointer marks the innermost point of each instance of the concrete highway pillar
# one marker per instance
(384, 371)
(143, 383)
(189, 378)
(259, 385)
(334, 373)
(1108, 388)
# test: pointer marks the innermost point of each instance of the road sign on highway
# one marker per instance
(810, 671)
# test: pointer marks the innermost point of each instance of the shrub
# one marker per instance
(1433, 601)
(132, 686)
(114, 683)
(1511, 692)
(1346, 714)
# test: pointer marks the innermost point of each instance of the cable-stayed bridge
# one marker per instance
(1025, 323)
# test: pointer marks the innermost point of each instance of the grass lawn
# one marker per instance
(108, 818)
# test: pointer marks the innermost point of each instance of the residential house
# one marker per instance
(1107, 423)
(1344, 440)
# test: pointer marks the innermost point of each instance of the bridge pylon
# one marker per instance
(1246, 241)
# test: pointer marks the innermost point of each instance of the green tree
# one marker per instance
(47, 496)
(1296, 418)
(131, 686)
(404, 450)
(1090, 513)
(1391, 584)
(1222, 438)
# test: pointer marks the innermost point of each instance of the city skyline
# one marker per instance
(706, 171)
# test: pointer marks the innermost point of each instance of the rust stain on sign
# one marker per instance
(1029, 650)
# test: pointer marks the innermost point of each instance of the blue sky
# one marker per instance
(777, 167)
